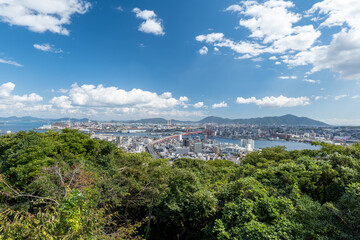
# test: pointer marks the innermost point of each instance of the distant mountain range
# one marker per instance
(282, 120)
(266, 121)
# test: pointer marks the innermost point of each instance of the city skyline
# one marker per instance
(183, 60)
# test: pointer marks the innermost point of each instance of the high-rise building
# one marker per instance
(249, 144)
(198, 147)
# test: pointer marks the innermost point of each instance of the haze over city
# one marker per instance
(181, 60)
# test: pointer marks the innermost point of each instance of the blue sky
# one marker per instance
(121, 59)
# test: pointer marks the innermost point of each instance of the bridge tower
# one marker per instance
(188, 132)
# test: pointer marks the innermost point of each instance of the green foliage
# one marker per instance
(68, 186)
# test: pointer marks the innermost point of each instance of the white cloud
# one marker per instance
(340, 97)
(342, 55)
(102, 102)
(288, 77)
(343, 52)
(184, 99)
(246, 56)
(219, 105)
(46, 47)
(10, 62)
(6, 89)
(152, 23)
(11, 103)
(272, 30)
(269, 21)
(167, 95)
(42, 15)
(272, 22)
(61, 102)
(276, 29)
(355, 97)
(100, 96)
(234, 8)
(311, 81)
(33, 97)
(199, 105)
(242, 47)
(120, 8)
(152, 26)
(98, 102)
(203, 51)
(144, 14)
(210, 38)
(216, 49)
(338, 12)
(275, 102)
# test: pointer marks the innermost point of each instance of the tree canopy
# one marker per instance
(65, 185)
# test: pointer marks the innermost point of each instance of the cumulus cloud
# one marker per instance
(219, 105)
(61, 102)
(10, 62)
(98, 102)
(338, 12)
(199, 105)
(20, 103)
(270, 20)
(42, 15)
(152, 23)
(167, 95)
(341, 56)
(203, 51)
(276, 29)
(275, 102)
(273, 23)
(6, 90)
(343, 52)
(91, 96)
(272, 30)
(46, 47)
(184, 99)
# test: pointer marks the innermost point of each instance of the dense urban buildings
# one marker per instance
(200, 140)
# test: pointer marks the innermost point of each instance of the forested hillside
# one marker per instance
(68, 186)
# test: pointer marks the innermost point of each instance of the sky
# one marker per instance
(133, 59)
